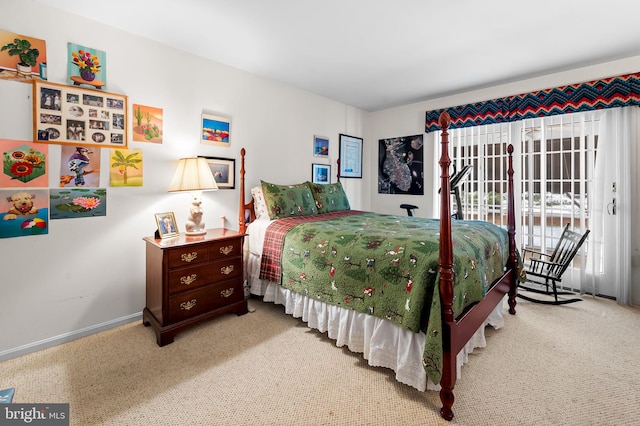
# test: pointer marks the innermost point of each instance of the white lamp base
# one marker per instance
(195, 225)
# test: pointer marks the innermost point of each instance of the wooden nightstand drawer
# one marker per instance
(188, 255)
(190, 278)
(192, 303)
(226, 268)
(184, 279)
(229, 248)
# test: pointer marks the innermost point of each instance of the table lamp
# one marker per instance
(194, 175)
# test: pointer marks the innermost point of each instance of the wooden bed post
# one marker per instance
(445, 260)
(338, 175)
(511, 231)
(241, 214)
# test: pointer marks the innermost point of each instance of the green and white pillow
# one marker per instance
(288, 200)
(329, 197)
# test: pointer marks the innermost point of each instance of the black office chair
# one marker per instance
(409, 208)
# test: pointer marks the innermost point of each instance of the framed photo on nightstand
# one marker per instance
(166, 225)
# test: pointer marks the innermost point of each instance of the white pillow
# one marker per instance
(259, 204)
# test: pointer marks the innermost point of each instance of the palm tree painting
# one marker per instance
(126, 167)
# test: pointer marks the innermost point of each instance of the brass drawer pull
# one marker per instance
(189, 257)
(226, 270)
(188, 279)
(188, 305)
(227, 293)
(226, 250)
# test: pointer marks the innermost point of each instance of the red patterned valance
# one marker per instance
(598, 94)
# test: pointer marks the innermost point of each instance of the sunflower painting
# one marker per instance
(24, 164)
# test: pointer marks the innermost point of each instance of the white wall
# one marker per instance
(88, 274)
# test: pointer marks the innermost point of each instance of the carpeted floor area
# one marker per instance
(577, 364)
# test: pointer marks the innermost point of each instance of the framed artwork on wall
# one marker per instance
(72, 115)
(147, 124)
(223, 170)
(320, 173)
(320, 146)
(125, 167)
(86, 66)
(350, 156)
(76, 203)
(79, 167)
(22, 58)
(215, 130)
(400, 165)
(24, 163)
(166, 225)
(24, 212)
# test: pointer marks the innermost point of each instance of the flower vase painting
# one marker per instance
(148, 124)
(87, 67)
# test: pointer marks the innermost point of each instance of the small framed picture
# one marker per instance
(223, 170)
(215, 130)
(320, 173)
(166, 225)
(320, 146)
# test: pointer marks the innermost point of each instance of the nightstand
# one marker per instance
(192, 279)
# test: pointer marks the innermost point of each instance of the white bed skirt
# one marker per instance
(382, 343)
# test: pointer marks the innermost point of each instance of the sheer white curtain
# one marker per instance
(615, 181)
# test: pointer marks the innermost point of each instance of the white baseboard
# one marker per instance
(67, 337)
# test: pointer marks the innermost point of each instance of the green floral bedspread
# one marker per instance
(387, 266)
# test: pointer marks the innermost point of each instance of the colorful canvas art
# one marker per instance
(215, 130)
(24, 164)
(86, 67)
(320, 146)
(24, 212)
(147, 124)
(22, 58)
(73, 203)
(125, 167)
(79, 166)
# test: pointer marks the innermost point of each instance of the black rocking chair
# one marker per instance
(544, 270)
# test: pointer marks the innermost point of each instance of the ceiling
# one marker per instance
(377, 54)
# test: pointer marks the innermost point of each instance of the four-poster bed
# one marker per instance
(445, 299)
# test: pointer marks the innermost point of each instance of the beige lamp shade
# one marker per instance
(193, 174)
